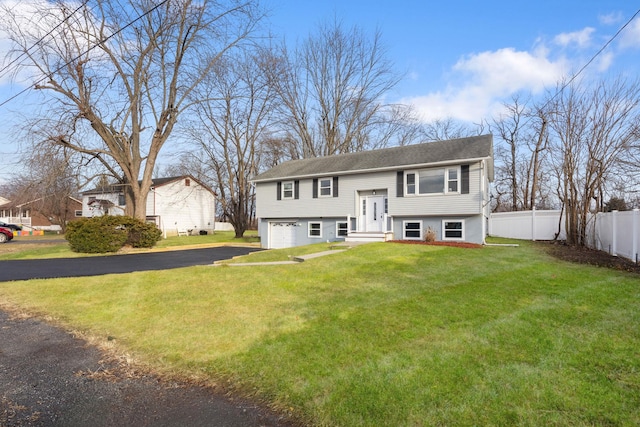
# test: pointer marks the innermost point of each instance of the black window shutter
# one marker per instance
(279, 188)
(335, 186)
(400, 184)
(315, 188)
(464, 186)
(296, 189)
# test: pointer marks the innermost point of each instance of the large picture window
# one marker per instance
(453, 230)
(433, 181)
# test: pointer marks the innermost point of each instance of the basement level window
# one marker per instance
(412, 230)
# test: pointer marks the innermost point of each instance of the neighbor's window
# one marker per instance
(433, 181)
(326, 187)
(315, 229)
(121, 200)
(78, 213)
(453, 230)
(187, 182)
(342, 229)
(412, 230)
(287, 190)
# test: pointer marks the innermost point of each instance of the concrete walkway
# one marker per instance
(294, 260)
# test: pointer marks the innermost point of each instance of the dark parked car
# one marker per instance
(5, 235)
(11, 226)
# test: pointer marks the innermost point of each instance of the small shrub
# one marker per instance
(110, 233)
(430, 235)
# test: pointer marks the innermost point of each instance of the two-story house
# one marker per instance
(392, 193)
(176, 204)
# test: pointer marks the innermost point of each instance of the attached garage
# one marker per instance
(282, 234)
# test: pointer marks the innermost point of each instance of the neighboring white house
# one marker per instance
(393, 193)
(179, 204)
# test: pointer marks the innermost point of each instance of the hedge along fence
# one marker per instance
(617, 233)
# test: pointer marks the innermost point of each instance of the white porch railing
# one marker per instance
(18, 220)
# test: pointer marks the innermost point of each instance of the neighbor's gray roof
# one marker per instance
(476, 147)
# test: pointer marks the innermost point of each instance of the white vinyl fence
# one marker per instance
(527, 225)
(617, 233)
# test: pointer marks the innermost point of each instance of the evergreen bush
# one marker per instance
(108, 233)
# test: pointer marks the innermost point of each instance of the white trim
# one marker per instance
(338, 228)
(330, 179)
(445, 176)
(404, 230)
(293, 190)
(462, 231)
(309, 235)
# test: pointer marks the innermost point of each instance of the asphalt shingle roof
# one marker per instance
(476, 147)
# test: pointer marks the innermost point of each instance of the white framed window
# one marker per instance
(410, 186)
(78, 213)
(433, 181)
(412, 230)
(287, 190)
(453, 177)
(453, 229)
(342, 228)
(326, 187)
(315, 229)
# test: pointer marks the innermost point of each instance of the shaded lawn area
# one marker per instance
(57, 249)
(382, 334)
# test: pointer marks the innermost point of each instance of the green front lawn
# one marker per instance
(382, 334)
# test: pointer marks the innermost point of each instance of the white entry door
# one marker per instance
(375, 213)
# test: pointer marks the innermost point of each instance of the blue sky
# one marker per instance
(462, 59)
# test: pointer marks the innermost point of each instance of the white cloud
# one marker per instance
(630, 36)
(483, 80)
(580, 38)
(611, 18)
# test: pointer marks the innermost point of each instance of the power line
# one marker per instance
(42, 38)
(575, 76)
(48, 76)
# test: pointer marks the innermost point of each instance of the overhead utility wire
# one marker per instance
(564, 86)
(42, 38)
(84, 53)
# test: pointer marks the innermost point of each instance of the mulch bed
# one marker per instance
(452, 244)
(588, 256)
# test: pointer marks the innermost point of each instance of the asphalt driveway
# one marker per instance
(114, 264)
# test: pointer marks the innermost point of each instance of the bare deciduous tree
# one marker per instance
(50, 179)
(231, 121)
(331, 91)
(118, 76)
(593, 129)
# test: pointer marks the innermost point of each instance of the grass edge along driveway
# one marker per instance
(383, 334)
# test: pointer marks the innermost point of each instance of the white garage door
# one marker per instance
(282, 235)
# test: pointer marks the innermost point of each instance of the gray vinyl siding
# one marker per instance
(472, 226)
(268, 205)
(301, 230)
(441, 204)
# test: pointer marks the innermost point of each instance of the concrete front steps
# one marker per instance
(364, 236)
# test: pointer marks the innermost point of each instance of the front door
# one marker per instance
(374, 214)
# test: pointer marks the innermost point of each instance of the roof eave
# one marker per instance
(370, 170)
